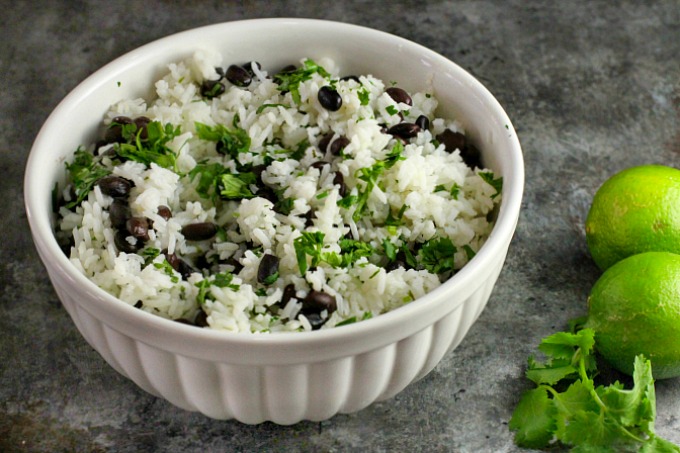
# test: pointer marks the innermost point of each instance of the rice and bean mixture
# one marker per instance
(253, 199)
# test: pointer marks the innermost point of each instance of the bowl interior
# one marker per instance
(276, 43)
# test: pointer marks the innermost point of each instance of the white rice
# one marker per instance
(253, 227)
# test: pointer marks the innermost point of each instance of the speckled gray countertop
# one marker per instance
(592, 88)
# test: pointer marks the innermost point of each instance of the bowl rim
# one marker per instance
(497, 241)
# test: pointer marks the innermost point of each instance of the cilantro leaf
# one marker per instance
(84, 172)
(221, 280)
(290, 81)
(496, 183)
(436, 255)
(309, 243)
(533, 420)
(230, 142)
(364, 96)
(261, 108)
(209, 175)
(150, 147)
(352, 250)
(236, 186)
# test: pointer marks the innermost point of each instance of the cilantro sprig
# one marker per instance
(587, 417)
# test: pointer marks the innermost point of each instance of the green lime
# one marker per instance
(634, 308)
(636, 210)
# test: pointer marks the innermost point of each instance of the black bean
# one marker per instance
(138, 227)
(325, 140)
(471, 156)
(268, 271)
(201, 262)
(100, 144)
(452, 140)
(317, 301)
(404, 130)
(350, 77)
(219, 71)
(238, 76)
(309, 218)
(139, 304)
(185, 269)
(339, 180)
(249, 67)
(199, 231)
(114, 133)
(396, 264)
(288, 293)
(319, 164)
(257, 170)
(423, 122)
(212, 88)
(289, 68)
(399, 95)
(119, 213)
(338, 145)
(329, 98)
(172, 259)
(201, 319)
(115, 186)
(164, 212)
(315, 319)
(235, 264)
(141, 122)
(120, 240)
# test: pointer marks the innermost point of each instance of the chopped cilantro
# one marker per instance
(353, 319)
(84, 172)
(497, 184)
(236, 186)
(352, 250)
(390, 250)
(469, 252)
(436, 255)
(309, 243)
(222, 280)
(261, 108)
(439, 188)
(455, 191)
(394, 155)
(149, 254)
(290, 81)
(392, 110)
(396, 221)
(284, 205)
(300, 150)
(231, 142)
(364, 96)
(151, 149)
(167, 268)
(322, 195)
(209, 175)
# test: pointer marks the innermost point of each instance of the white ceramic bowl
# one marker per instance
(286, 377)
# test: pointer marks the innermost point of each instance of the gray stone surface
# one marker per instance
(592, 88)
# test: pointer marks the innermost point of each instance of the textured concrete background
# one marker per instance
(592, 88)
